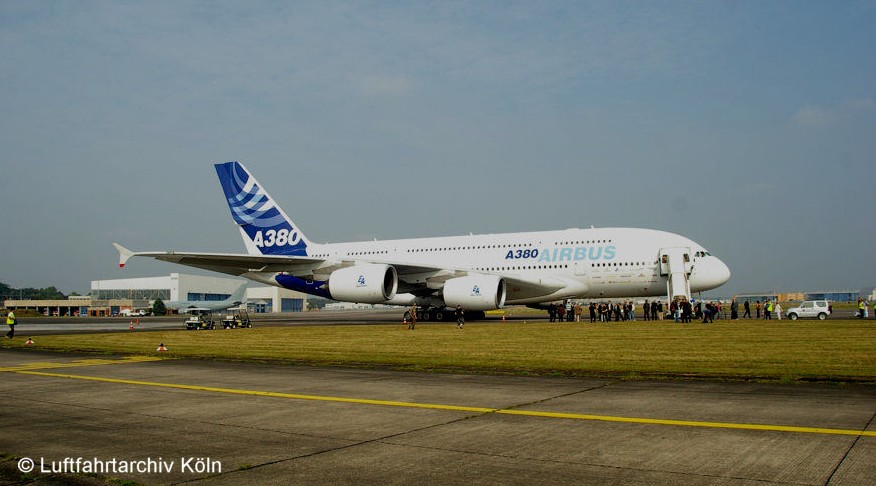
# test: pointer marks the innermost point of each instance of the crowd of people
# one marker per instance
(765, 310)
(619, 311)
(679, 310)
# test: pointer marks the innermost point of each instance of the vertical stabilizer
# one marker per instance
(239, 295)
(265, 228)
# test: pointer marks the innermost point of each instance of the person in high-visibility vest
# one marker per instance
(11, 322)
(861, 307)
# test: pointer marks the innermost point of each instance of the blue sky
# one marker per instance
(749, 127)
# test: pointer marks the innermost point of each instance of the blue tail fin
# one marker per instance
(265, 228)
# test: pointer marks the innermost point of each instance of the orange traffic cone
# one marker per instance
(29, 342)
(161, 348)
(405, 321)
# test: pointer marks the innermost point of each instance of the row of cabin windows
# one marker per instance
(546, 267)
(525, 267)
(482, 247)
(515, 245)
(531, 267)
(588, 242)
(358, 253)
(619, 264)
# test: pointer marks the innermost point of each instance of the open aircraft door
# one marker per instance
(676, 264)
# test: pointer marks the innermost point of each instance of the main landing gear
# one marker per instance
(443, 314)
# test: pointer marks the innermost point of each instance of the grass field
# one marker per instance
(831, 351)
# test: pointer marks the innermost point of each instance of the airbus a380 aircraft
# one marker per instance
(478, 272)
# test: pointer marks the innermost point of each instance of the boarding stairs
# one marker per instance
(676, 265)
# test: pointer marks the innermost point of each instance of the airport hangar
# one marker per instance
(868, 294)
(110, 297)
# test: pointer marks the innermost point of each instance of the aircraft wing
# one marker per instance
(423, 280)
(520, 288)
(416, 279)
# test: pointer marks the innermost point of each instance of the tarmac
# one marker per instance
(76, 325)
(216, 423)
(83, 325)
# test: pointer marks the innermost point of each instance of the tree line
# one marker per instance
(8, 292)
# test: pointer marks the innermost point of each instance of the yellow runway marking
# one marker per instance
(79, 363)
(456, 408)
(693, 423)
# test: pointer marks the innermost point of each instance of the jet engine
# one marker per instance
(475, 292)
(368, 283)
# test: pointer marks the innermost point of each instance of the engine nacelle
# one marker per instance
(369, 284)
(475, 292)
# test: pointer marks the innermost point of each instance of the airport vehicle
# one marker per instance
(237, 317)
(236, 298)
(810, 308)
(479, 272)
(199, 319)
(132, 313)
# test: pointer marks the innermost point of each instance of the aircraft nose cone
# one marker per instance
(715, 273)
(722, 272)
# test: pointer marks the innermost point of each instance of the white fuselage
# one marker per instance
(589, 263)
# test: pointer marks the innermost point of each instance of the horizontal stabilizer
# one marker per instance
(228, 263)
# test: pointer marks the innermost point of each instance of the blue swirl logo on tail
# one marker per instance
(268, 230)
